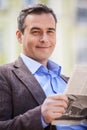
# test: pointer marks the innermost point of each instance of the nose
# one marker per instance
(44, 38)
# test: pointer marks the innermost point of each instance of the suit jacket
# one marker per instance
(21, 97)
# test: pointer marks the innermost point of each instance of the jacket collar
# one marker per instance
(22, 72)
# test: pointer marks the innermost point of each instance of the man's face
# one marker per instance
(39, 37)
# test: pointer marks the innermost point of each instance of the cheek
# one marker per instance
(53, 42)
(52, 39)
(35, 39)
(32, 39)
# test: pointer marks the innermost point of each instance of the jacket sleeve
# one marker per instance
(30, 120)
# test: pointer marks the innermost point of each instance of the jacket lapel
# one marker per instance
(29, 81)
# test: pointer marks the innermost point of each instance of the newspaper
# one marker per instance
(76, 91)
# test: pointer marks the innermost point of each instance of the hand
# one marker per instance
(54, 107)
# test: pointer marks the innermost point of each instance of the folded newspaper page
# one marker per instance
(76, 91)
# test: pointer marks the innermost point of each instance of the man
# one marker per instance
(31, 87)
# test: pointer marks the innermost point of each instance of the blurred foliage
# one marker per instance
(2, 59)
(44, 1)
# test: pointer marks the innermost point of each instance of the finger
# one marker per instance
(59, 97)
(60, 103)
(50, 116)
(58, 110)
(51, 102)
(56, 115)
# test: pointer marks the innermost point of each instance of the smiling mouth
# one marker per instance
(43, 47)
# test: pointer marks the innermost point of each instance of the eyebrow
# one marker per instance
(36, 28)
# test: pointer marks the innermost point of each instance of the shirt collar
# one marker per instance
(54, 67)
(34, 66)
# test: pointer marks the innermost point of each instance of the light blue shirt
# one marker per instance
(51, 83)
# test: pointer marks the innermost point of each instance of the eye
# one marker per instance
(35, 32)
(51, 32)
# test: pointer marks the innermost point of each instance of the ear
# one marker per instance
(19, 36)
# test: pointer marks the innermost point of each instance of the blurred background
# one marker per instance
(71, 47)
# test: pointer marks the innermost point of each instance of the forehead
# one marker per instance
(40, 20)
